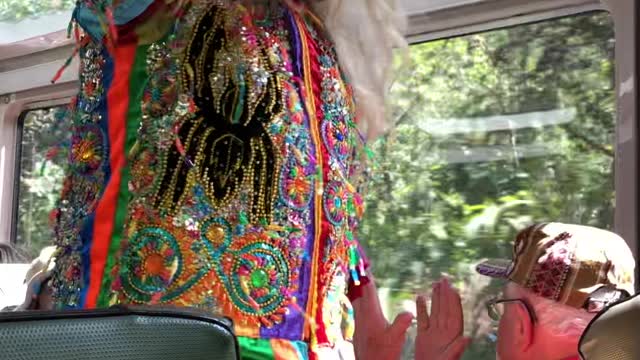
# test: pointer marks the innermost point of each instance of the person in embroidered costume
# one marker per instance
(560, 276)
(216, 162)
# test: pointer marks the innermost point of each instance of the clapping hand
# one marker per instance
(440, 335)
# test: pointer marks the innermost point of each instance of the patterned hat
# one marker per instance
(613, 334)
(580, 266)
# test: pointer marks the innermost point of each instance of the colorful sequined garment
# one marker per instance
(214, 147)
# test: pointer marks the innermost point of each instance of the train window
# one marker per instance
(21, 20)
(41, 169)
(492, 131)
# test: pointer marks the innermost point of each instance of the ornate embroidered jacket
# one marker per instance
(212, 160)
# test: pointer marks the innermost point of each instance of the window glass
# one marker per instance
(41, 171)
(24, 19)
(492, 132)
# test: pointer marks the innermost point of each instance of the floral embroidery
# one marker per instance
(81, 189)
(335, 199)
(87, 149)
(155, 260)
(257, 276)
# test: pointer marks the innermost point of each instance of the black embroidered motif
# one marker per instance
(237, 95)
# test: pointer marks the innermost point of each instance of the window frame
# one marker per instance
(626, 170)
(499, 14)
(490, 15)
(18, 157)
(13, 234)
(636, 41)
(12, 110)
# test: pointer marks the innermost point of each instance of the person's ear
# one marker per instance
(524, 328)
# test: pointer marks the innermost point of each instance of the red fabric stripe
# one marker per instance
(118, 106)
(316, 76)
(127, 32)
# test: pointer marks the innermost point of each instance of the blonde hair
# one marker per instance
(364, 33)
(559, 319)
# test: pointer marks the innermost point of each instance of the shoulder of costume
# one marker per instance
(98, 17)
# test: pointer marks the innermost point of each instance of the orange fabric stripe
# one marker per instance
(118, 106)
(284, 350)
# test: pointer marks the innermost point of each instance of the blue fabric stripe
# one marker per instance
(129, 10)
(124, 13)
(303, 349)
(86, 234)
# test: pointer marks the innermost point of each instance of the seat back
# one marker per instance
(121, 333)
(613, 333)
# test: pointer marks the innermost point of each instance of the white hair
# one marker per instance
(558, 319)
(364, 33)
(9, 254)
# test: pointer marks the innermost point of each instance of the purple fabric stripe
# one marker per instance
(492, 270)
(293, 325)
(297, 46)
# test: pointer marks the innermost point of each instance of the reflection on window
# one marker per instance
(493, 131)
(41, 166)
(24, 19)
(16, 10)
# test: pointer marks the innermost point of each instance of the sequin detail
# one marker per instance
(243, 198)
(161, 91)
(92, 90)
(87, 149)
(155, 260)
(81, 188)
(335, 199)
(257, 276)
(232, 146)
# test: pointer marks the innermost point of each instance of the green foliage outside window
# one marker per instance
(492, 132)
(43, 162)
(16, 10)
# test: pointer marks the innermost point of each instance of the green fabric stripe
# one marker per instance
(137, 81)
(255, 349)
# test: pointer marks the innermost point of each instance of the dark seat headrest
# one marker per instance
(120, 333)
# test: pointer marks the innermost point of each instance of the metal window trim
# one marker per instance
(636, 101)
(626, 19)
(417, 35)
(11, 108)
(26, 109)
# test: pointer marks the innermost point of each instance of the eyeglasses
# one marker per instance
(495, 308)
